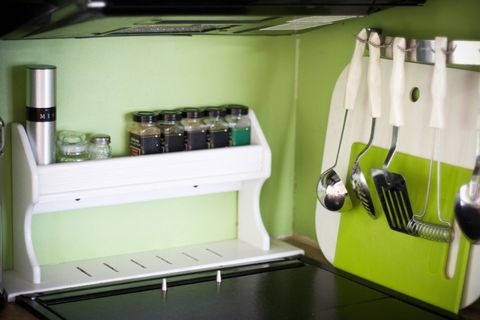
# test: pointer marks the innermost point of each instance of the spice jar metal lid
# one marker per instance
(169, 115)
(145, 117)
(192, 113)
(215, 112)
(236, 109)
(100, 138)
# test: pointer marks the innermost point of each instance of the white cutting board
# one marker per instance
(457, 142)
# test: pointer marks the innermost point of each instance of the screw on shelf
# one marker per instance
(219, 277)
(164, 285)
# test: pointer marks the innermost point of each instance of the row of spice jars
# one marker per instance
(73, 146)
(189, 129)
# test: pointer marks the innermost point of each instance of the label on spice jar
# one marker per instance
(240, 136)
(173, 142)
(218, 139)
(195, 140)
(140, 145)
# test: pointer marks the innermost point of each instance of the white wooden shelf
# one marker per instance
(65, 186)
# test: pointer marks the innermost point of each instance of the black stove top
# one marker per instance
(288, 289)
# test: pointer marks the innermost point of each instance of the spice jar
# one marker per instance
(239, 124)
(144, 135)
(217, 128)
(72, 146)
(171, 131)
(195, 129)
(99, 148)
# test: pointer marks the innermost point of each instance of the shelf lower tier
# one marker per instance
(214, 255)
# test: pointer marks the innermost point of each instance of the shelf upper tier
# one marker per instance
(64, 186)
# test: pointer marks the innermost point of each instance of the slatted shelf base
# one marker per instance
(214, 255)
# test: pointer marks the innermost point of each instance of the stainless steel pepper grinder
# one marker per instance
(41, 111)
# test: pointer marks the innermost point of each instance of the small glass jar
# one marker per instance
(72, 146)
(217, 128)
(144, 135)
(195, 129)
(99, 148)
(171, 131)
(239, 124)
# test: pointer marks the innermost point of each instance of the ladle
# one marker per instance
(467, 202)
(331, 191)
(467, 206)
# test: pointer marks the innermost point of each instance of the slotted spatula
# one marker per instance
(391, 187)
(357, 178)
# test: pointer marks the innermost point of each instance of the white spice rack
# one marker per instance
(66, 186)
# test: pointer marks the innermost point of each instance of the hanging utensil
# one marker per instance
(3, 298)
(357, 178)
(2, 137)
(331, 191)
(416, 226)
(467, 202)
(391, 187)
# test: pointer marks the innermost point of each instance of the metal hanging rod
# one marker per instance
(459, 52)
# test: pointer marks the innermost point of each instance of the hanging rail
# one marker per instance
(459, 52)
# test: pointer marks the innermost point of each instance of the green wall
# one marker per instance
(100, 81)
(325, 52)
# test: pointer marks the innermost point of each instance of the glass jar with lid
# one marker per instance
(99, 148)
(239, 124)
(217, 127)
(195, 129)
(171, 131)
(144, 135)
(72, 146)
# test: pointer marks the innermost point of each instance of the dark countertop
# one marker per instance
(14, 311)
(472, 312)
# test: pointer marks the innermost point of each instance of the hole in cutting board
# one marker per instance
(414, 94)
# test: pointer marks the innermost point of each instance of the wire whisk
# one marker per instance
(416, 226)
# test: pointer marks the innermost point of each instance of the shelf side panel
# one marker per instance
(25, 194)
(251, 228)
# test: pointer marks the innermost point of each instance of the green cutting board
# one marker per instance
(414, 266)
